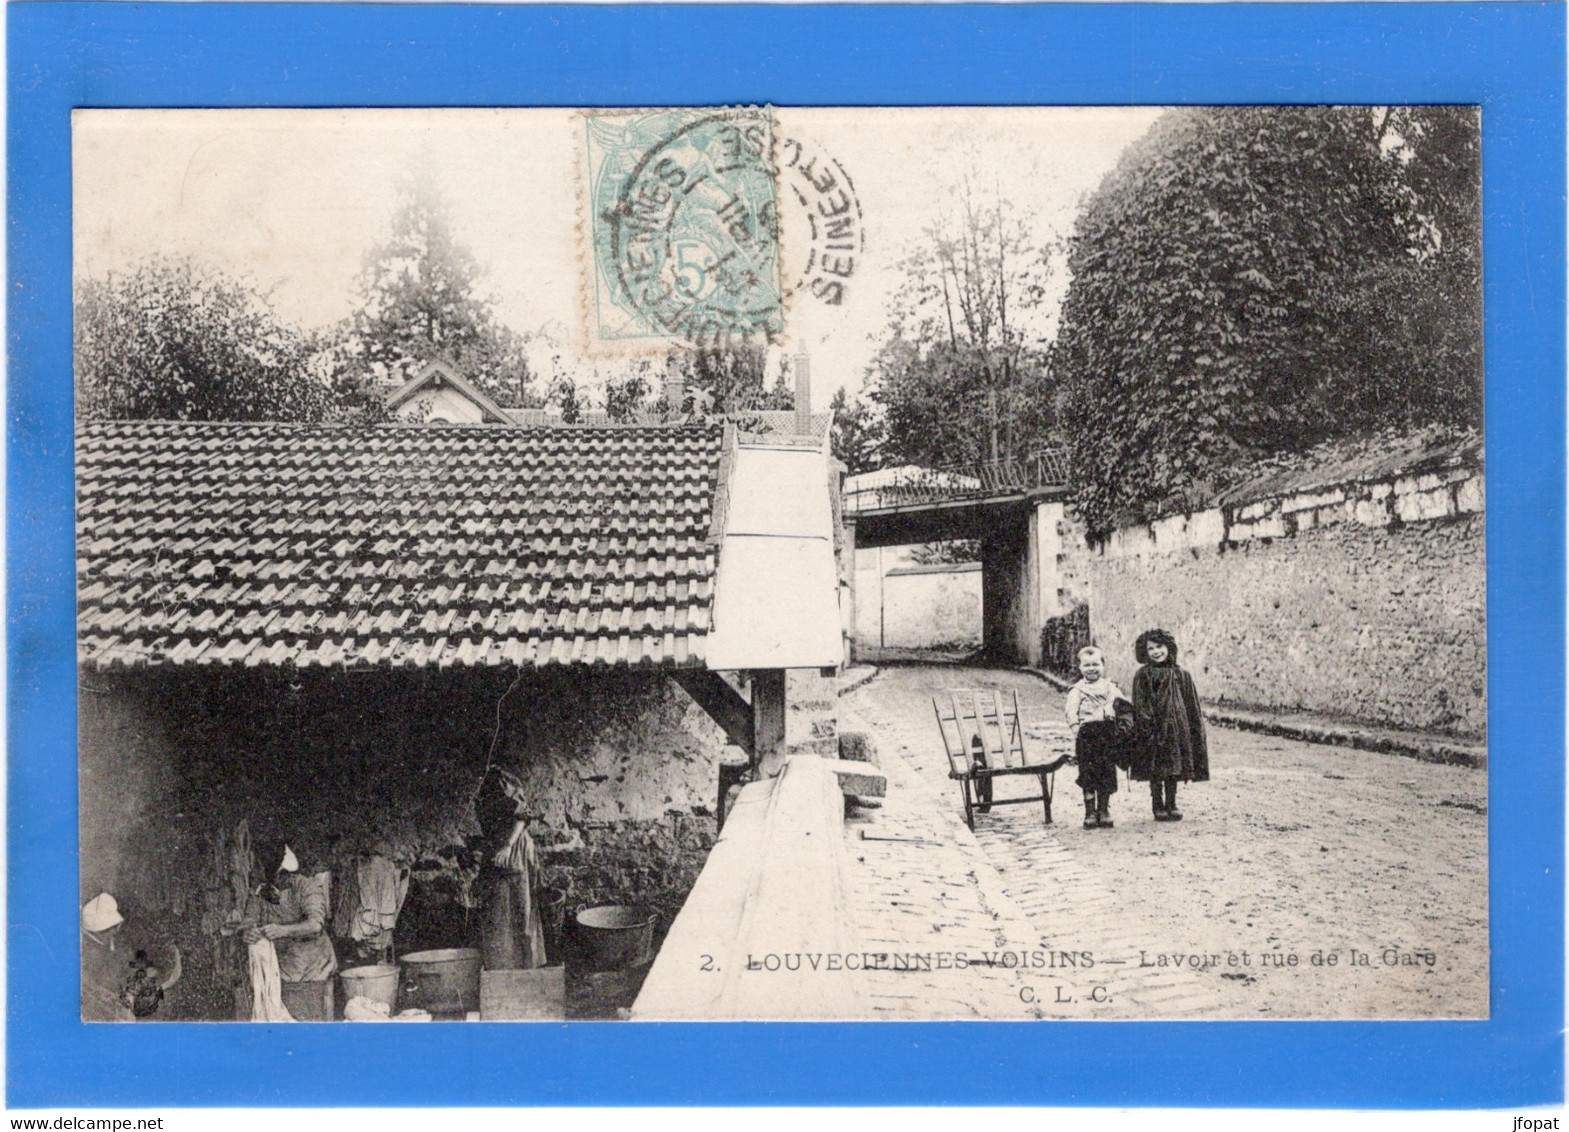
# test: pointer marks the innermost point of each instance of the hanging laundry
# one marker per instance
(367, 906)
(382, 888)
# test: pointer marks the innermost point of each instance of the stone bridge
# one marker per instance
(1012, 506)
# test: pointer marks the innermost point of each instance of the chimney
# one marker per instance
(675, 387)
(803, 395)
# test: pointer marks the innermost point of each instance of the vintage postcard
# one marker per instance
(758, 563)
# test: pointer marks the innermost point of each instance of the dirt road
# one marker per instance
(1305, 881)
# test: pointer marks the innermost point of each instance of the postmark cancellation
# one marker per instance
(682, 227)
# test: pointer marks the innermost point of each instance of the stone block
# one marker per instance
(1169, 533)
(1371, 513)
(1416, 506)
(1312, 500)
(1270, 526)
(1207, 528)
(859, 778)
(1471, 496)
(520, 996)
(857, 747)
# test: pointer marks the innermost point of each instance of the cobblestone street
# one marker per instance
(1307, 881)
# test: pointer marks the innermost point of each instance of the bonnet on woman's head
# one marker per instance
(273, 856)
(1141, 646)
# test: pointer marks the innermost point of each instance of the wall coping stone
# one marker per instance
(776, 882)
(1389, 501)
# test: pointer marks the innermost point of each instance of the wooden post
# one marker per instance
(847, 567)
(768, 721)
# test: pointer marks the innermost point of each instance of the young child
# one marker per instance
(1092, 714)
(1170, 723)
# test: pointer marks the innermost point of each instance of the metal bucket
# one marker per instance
(442, 982)
(378, 983)
(615, 936)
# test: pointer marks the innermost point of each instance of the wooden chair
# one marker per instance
(985, 741)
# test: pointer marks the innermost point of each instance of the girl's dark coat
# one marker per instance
(1188, 759)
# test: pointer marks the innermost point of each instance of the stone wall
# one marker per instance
(921, 607)
(1363, 600)
(619, 771)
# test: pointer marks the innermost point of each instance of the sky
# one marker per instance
(293, 200)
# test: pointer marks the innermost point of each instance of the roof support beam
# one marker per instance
(723, 704)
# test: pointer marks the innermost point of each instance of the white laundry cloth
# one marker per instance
(266, 986)
(362, 1009)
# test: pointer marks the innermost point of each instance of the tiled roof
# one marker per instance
(227, 543)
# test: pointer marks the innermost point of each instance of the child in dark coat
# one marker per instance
(1091, 708)
(1170, 721)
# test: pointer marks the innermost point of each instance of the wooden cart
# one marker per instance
(985, 741)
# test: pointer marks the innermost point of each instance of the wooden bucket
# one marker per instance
(538, 994)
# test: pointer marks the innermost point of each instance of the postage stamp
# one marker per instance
(683, 226)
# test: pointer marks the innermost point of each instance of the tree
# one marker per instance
(857, 436)
(1251, 281)
(172, 341)
(947, 553)
(628, 392)
(961, 377)
(419, 296)
(734, 379)
(333, 360)
(563, 394)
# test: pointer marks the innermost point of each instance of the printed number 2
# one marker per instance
(708, 963)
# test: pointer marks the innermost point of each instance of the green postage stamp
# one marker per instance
(683, 226)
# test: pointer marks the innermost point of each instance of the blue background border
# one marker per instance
(1507, 57)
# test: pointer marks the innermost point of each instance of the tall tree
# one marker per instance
(1253, 280)
(961, 376)
(420, 300)
(172, 341)
(857, 436)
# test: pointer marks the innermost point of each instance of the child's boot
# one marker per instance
(1172, 813)
(1103, 810)
(1089, 809)
(1158, 799)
